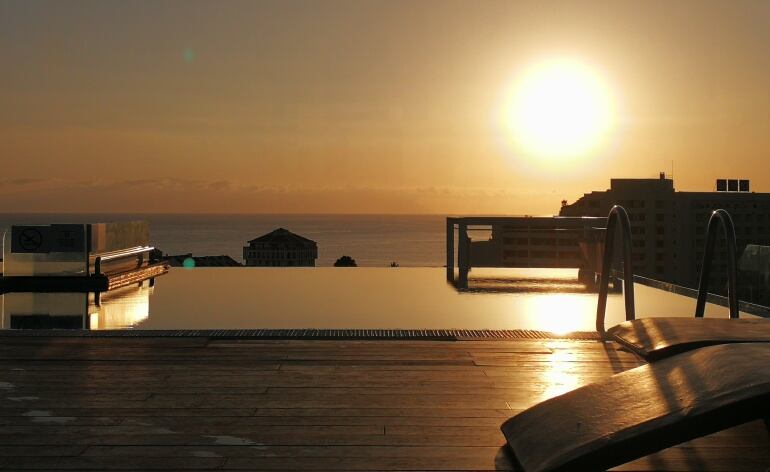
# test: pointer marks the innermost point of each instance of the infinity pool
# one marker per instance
(374, 298)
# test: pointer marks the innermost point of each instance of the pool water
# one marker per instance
(325, 298)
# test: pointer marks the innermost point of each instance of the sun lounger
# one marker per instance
(656, 338)
(643, 410)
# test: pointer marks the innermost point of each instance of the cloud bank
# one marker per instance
(171, 195)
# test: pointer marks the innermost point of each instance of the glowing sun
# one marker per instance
(558, 110)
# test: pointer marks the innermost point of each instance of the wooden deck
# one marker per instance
(196, 403)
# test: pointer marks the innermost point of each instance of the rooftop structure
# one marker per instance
(96, 257)
(280, 248)
(518, 241)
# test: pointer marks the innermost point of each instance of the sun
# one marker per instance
(558, 110)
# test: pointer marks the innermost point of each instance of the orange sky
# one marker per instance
(362, 106)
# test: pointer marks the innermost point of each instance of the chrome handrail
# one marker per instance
(118, 255)
(719, 217)
(617, 213)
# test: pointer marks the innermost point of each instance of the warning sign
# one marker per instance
(30, 239)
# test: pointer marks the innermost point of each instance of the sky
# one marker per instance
(363, 106)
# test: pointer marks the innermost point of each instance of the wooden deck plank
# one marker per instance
(187, 404)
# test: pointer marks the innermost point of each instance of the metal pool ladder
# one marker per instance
(718, 218)
(617, 214)
(723, 219)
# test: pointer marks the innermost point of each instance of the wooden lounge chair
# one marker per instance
(643, 410)
(656, 338)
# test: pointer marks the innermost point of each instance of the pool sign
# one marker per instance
(30, 239)
(48, 238)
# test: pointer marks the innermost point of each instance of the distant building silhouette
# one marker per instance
(201, 261)
(280, 248)
(669, 227)
(345, 261)
(532, 241)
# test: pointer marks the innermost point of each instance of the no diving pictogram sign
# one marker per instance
(30, 239)
(48, 238)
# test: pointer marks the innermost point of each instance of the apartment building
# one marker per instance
(669, 227)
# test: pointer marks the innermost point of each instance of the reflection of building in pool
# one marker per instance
(126, 307)
(280, 248)
(669, 227)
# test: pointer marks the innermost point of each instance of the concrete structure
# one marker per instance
(280, 248)
(534, 242)
(518, 241)
(669, 227)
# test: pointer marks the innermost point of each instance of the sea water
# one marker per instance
(372, 240)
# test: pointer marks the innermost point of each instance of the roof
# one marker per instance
(285, 237)
(203, 261)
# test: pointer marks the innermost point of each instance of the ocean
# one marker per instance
(372, 240)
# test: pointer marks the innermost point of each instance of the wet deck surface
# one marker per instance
(179, 404)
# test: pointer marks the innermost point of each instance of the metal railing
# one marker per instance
(123, 254)
(617, 214)
(723, 219)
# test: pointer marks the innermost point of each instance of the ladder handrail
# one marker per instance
(719, 218)
(120, 254)
(617, 213)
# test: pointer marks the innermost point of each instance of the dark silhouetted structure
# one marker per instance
(202, 261)
(280, 248)
(345, 261)
(519, 241)
(669, 226)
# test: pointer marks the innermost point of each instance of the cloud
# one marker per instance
(220, 185)
(174, 195)
(6, 184)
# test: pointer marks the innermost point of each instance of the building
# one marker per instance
(188, 260)
(669, 227)
(530, 241)
(280, 248)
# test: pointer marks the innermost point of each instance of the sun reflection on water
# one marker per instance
(559, 313)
